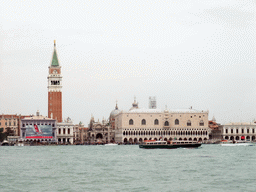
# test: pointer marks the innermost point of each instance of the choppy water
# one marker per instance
(127, 168)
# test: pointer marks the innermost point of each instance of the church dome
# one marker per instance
(114, 112)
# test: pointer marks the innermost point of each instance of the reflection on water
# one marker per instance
(127, 168)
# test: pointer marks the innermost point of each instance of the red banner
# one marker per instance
(39, 137)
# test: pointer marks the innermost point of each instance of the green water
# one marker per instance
(127, 168)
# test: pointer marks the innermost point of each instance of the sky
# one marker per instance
(186, 53)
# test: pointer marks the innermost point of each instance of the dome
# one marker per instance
(114, 112)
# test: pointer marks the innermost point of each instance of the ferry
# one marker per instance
(169, 144)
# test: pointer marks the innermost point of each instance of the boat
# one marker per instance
(236, 143)
(111, 144)
(169, 144)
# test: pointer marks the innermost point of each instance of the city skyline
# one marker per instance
(199, 54)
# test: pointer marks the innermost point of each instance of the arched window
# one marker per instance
(143, 122)
(156, 122)
(130, 122)
(177, 122)
(189, 123)
(166, 123)
(201, 123)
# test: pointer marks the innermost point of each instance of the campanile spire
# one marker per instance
(55, 88)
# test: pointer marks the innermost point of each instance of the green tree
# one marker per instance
(2, 135)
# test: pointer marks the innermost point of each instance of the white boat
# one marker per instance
(111, 144)
(235, 143)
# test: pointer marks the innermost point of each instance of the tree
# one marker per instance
(2, 135)
(9, 132)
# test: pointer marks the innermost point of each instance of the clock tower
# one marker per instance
(55, 88)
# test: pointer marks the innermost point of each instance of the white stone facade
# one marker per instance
(138, 125)
(239, 131)
(65, 132)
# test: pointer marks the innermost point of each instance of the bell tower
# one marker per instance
(55, 88)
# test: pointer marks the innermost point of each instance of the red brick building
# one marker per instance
(55, 88)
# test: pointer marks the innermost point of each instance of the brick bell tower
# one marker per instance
(55, 88)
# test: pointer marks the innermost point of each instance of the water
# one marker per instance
(127, 168)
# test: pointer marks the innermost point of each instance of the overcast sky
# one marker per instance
(198, 53)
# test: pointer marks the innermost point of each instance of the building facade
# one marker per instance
(100, 132)
(12, 121)
(65, 131)
(80, 133)
(38, 128)
(55, 88)
(137, 125)
(239, 131)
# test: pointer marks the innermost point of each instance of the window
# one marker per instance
(177, 122)
(237, 131)
(68, 131)
(242, 130)
(64, 131)
(231, 130)
(156, 122)
(226, 130)
(59, 131)
(252, 130)
(189, 123)
(201, 123)
(143, 122)
(130, 122)
(14, 123)
(0, 123)
(166, 123)
(248, 130)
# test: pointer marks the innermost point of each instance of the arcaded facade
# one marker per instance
(239, 131)
(137, 125)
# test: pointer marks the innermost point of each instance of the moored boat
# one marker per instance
(111, 144)
(169, 145)
(236, 143)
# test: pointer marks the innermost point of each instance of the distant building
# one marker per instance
(12, 121)
(100, 132)
(137, 125)
(65, 132)
(80, 133)
(38, 128)
(112, 117)
(239, 131)
(216, 130)
(55, 88)
(152, 102)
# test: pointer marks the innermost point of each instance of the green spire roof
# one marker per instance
(55, 61)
